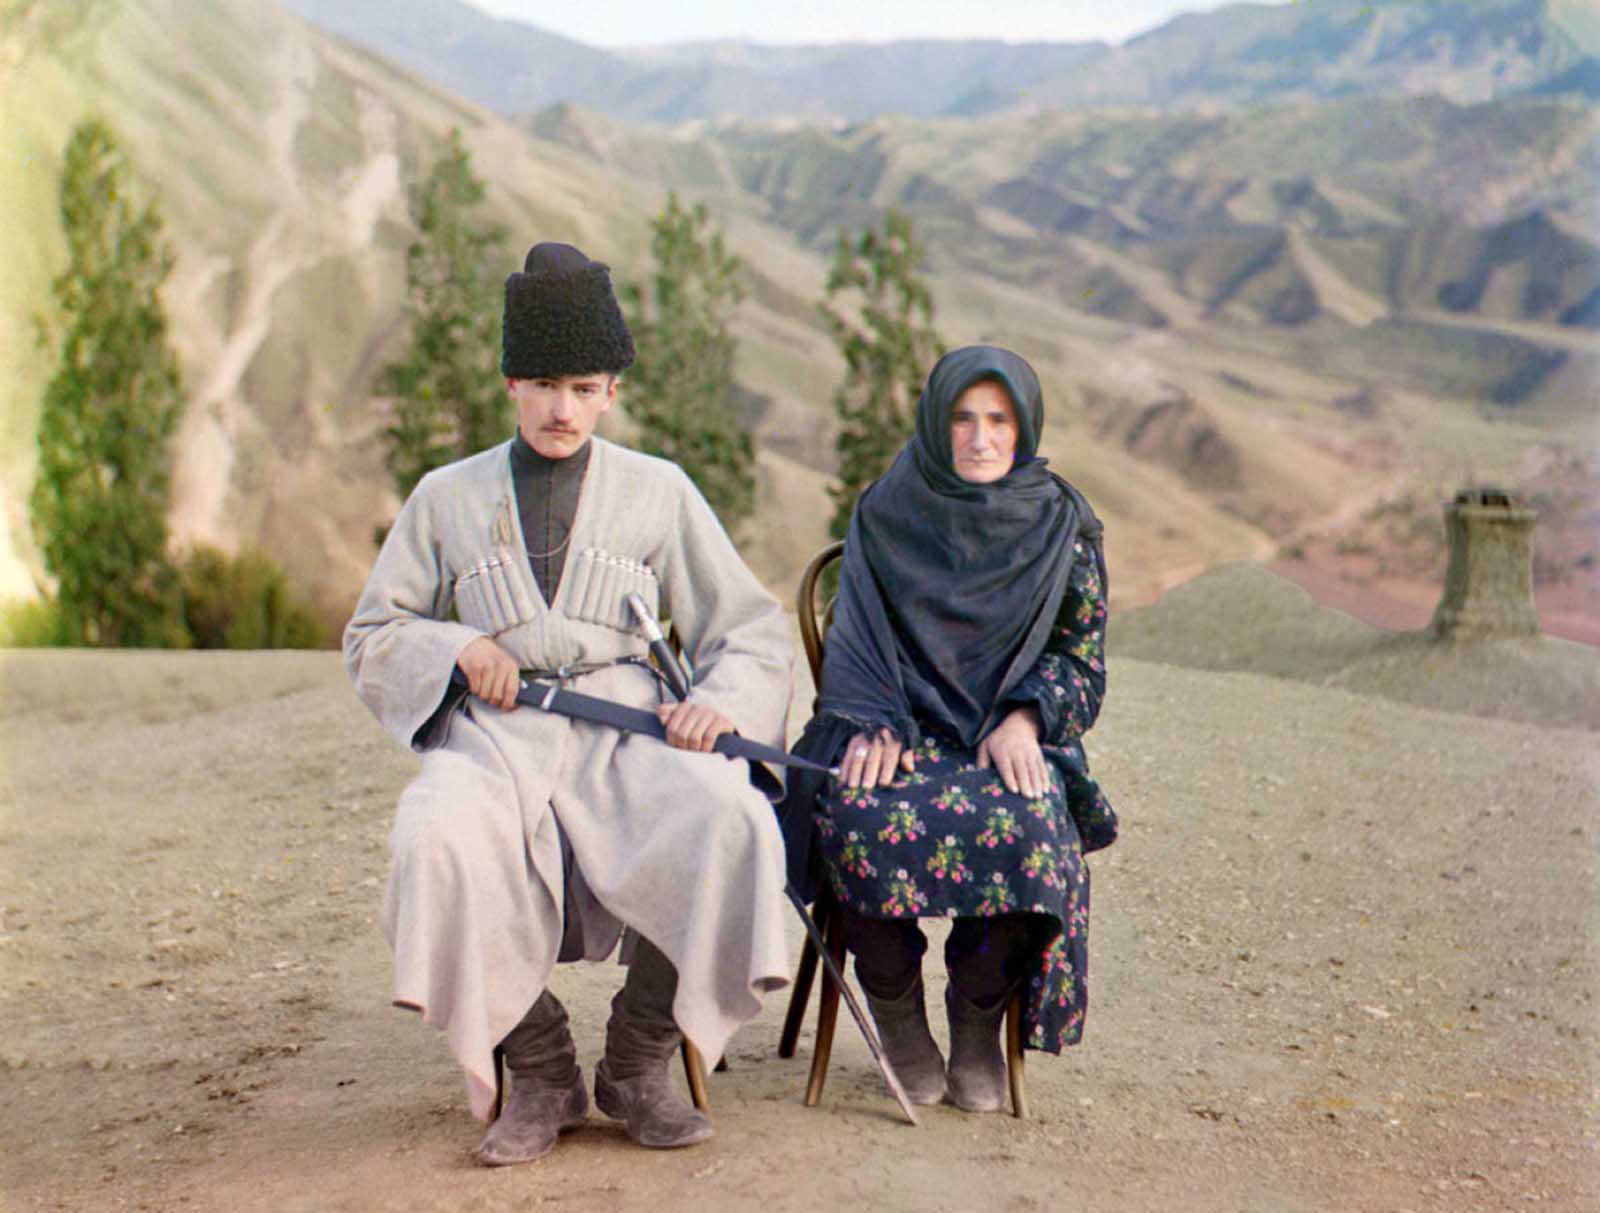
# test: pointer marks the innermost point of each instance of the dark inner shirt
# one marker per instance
(547, 502)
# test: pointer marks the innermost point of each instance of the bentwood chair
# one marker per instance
(815, 618)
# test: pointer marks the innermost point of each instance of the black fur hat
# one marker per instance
(562, 317)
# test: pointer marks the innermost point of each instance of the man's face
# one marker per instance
(556, 416)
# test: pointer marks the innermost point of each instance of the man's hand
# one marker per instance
(691, 726)
(491, 672)
(872, 760)
(1013, 750)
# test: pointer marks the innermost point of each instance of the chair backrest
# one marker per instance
(814, 617)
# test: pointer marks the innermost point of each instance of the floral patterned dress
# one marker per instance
(948, 840)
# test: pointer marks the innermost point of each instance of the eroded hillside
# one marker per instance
(1252, 328)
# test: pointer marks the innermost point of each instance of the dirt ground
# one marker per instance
(1343, 958)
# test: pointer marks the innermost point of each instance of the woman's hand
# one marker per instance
(491, 672)
(872, 760)
(1013, 750)
(691, 726)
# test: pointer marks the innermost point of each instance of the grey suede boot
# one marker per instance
(547, 1090)
(903, 1025)
(631, 1083)
(977, 1062)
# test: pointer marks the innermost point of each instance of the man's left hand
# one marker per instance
(691, 726)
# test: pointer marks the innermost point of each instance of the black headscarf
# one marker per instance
(949, 588)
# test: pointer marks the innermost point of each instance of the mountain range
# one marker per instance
(1244, 54)
(1257, 310)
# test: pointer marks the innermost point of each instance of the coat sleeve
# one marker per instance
(399, 648)
(1068, 682)
(735, 635)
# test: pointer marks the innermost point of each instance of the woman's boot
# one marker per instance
(547, 1091)
(903, 1025)
(977, 1062)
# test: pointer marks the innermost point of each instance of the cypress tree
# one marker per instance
(449, 400)
(680, 390)
(888, 342)
(103, 484)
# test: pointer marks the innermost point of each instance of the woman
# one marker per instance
(963, 665)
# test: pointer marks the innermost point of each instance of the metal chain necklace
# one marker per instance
(549, 503)
(532, 555)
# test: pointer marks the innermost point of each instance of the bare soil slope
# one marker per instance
(1243, 617)
(1344, 958)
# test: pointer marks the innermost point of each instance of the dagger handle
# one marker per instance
(677, 680)
(668, 661)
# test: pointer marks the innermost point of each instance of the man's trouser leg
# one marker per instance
(631, 1083)
(547, 1091)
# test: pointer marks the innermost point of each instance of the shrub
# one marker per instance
(32, 625)
(243, 602)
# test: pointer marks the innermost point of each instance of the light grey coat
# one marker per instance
(675, 844)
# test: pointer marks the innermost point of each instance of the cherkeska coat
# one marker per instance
(677, 845)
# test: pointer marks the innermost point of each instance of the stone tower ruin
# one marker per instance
(1488, 584)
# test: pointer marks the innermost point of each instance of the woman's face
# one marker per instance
(983, 433)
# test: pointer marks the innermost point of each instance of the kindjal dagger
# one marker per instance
(678, 681)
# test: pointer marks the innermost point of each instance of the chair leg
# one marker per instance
(798, 997)
(1014, 1070)
(499, 1083)
(694, 1069)
(827, 1009)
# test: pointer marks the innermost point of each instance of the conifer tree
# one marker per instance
(103, 483)
(680, 390)
(888, 342)
(448, 398)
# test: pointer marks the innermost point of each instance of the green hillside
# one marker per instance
(1200, 293)
(281, 174)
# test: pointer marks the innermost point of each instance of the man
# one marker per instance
(527, 837)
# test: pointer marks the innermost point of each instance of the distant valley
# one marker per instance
(1277, 295)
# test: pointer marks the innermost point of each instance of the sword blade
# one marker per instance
(548, 697)
(874, 1045)
(679, 682)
